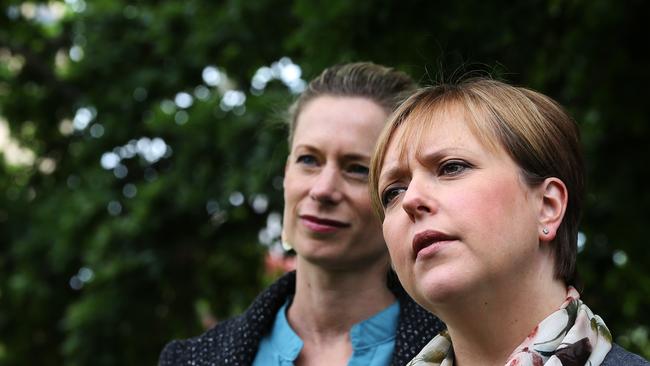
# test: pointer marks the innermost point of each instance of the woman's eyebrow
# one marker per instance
(392, 172)
(425, 157)
(304, 147)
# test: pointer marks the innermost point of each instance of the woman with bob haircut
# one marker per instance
(479, 185)
(342, 305)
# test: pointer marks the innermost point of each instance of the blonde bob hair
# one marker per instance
(383, 85)
(533, 129)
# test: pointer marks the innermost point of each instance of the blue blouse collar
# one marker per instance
(377, 329)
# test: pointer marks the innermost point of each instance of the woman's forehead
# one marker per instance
(412, 135)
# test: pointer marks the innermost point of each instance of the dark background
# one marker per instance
(139, 193)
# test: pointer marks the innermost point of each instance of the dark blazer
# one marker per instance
(236, 340)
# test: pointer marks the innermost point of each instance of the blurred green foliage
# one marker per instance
(130, 214)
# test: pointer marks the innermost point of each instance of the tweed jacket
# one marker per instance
(617, 356)
(235, 341)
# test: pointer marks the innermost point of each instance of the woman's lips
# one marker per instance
(429, 242)
(322, 225)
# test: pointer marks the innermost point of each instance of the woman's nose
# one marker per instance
(418, 200)
(326, 187)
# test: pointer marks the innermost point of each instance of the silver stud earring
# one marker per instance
(545, 231)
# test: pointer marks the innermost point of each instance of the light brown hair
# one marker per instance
(383, 85)
(533, 129)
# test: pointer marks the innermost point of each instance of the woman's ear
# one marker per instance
(554, 201)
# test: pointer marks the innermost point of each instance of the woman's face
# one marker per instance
(328, 217)
(458, 217)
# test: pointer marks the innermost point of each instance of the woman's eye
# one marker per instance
(358, 169)
(389, 195)
(306, 160)
(452, 168)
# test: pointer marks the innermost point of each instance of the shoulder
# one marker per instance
(233, 341)
(619, 356)
(206, 348)
(172, 354)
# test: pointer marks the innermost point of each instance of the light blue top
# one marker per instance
(373, 340)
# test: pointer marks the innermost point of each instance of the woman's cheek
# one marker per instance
(397, 252)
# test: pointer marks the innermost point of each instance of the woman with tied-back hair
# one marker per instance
(480, 185)
(342, 305)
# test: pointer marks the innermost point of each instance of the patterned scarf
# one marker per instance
(571, 336)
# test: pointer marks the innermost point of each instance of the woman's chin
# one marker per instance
(344, 260)
(435, 290)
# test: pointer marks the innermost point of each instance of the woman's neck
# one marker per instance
(488, 324)
(328, 303)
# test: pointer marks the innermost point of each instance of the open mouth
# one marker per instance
(428, 238)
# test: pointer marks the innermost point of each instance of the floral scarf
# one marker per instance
(571, 336)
